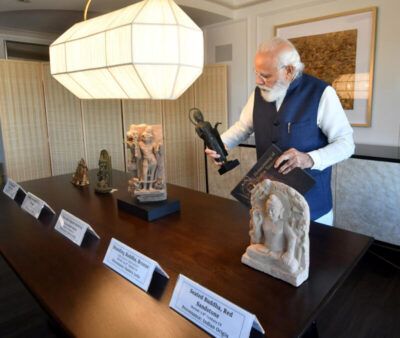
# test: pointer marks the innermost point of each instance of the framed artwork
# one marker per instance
(339, 49)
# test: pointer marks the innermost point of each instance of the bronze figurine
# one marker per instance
(212, 139)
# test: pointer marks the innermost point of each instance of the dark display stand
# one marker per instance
(149, 211)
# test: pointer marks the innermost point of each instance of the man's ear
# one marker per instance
(289, 72)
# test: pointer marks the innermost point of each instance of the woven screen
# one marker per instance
(23, 120)
(211, 99)
(33, 111)
(64, 119)
(103, 130)
(142, 111)
(182, 166)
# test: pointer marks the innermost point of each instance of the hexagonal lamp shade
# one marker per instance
(149, 50)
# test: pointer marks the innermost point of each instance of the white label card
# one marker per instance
(11, 188)
(34, 205)
(216, 315)
(73, 227)
(131, 264)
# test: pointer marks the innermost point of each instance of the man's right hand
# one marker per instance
(213, 155)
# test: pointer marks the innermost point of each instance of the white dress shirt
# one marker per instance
(331, 119)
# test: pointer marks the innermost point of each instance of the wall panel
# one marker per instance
(142, 111)
(64, 117)
(211, 99)
(102, 120)
(182, 164)
(368, 198)
(233, 33)
(23, 120)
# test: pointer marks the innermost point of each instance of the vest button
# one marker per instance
(274, 141)
(276, 123)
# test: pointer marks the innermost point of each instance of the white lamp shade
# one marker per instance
(149, 50)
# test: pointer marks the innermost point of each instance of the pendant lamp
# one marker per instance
(149, 50)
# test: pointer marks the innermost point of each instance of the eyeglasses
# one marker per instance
(265, 78)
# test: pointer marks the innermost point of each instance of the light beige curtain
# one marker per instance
(23, 120)
(102, 121)
(211, 99)
(64, 118)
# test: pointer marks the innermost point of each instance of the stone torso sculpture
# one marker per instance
(132, 143)
(146, 163)
(279, 226)
(148, 149)
(81, 178)
(212, 139)
(104, 175)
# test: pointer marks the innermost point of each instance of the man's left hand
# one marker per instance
(294, 159)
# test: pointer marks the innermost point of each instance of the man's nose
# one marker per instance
(259, 81)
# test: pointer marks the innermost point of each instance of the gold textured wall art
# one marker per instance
(339, 49)
(329, 56)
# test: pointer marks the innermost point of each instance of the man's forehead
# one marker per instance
(265, 60)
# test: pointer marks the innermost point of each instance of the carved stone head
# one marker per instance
(274, 208)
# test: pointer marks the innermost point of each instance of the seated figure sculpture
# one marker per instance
(81, 177)
(279, 226)
(146, 163)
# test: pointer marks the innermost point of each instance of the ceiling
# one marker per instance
(52, 16)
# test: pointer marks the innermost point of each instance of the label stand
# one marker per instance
(74, 228)
(137, 268)
(35, 206)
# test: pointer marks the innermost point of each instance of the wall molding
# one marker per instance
(6, 32)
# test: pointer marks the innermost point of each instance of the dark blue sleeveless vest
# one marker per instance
(295, 126)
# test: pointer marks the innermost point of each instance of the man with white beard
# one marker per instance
(299, 113)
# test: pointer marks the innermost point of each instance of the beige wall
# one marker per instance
(259, 25)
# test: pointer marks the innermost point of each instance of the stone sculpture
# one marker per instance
(104, 175)
(279, 226)
(146, 162)
(212, 139)
(81, 178)
(132, 143)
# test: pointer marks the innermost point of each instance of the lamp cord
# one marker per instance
(86, 9)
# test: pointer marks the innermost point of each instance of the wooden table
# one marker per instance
(204, 242)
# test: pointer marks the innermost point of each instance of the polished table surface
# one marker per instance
(204, 242)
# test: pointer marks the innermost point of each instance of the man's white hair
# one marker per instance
(288, 56)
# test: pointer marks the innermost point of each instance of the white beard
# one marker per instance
(276, 92)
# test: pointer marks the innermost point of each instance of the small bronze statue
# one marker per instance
(212, 139)
(104, 175)
(81, 178)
